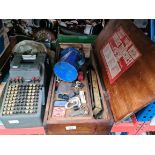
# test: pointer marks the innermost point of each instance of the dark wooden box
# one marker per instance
(133, 90)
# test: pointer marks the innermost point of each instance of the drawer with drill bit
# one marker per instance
(71, 102)
(76, 106)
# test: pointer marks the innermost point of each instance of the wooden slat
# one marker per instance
(98, 106)
(135, 88)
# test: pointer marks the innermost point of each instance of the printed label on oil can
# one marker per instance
(119, 54)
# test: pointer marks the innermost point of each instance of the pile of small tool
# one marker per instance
(69, 99)
(76, 92)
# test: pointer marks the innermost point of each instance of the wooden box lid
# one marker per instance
(135, 88)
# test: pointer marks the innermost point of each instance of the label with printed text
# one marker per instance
(70, 127)
(119, 54)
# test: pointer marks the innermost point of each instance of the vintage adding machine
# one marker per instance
(24, 95)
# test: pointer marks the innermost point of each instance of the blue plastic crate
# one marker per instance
(147, 113)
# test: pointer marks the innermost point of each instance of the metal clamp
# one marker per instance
(75, 101)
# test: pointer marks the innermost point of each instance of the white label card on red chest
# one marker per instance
(70, 127)
(119, 54)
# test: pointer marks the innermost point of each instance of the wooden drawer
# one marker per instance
(79, 126)
(71, 128)
(93, 127)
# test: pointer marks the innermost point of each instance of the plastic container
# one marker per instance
(67, 67)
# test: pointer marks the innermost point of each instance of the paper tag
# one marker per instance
(119, 54)
(13, 122)
(70, 127)
(58, 112)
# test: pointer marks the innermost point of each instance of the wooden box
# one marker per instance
(133, 90)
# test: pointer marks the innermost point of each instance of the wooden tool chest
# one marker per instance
(133, 90)
(78, 125)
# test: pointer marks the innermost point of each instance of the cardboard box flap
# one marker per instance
(135, 87)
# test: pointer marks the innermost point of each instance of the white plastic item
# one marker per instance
(75, 101)
(82, 97)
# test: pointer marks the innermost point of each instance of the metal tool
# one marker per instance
(82, 97)
(78, 113)
(60, 103)
(78, 85)
(75, 108)
(75, 101)
(90, 88)
(64, 88)
(63, 96)
(73, 94)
